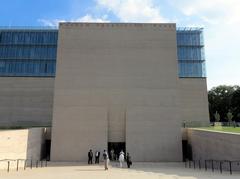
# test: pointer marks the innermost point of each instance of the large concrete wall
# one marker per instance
(123, 76)
(207, 145)
(153, 134)
(26, 101)
(193, 100)
(76, 130)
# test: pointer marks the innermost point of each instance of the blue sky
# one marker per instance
(220, 19)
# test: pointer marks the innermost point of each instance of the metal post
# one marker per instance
(230, 167)
(199, 164)
(41, 163)
(206, 165)
(189, 163)
(194, 164)
(8, 166)
(46, 163)
(31, 163)
(221, 166)
(17, 164)
(185, 163)
(212, 167)
(25, 164)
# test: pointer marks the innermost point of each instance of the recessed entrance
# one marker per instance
(48, 149)
(186, 150)
(114, 148)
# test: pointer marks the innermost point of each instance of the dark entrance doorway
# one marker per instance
(186, 150)
(48, 149)
(116, 148)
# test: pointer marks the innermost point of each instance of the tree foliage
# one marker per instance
(223, 99)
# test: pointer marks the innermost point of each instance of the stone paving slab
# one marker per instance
(138, 171)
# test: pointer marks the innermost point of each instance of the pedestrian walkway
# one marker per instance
(138, 171)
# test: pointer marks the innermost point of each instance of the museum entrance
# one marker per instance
(114, 148)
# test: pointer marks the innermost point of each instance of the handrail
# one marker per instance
(36, 163)
(214, 164)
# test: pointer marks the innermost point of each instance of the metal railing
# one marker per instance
(14, 164)
(214, 165)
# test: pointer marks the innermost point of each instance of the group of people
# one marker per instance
(90, 157)
(121, 158)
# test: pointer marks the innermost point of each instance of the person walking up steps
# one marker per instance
(121, 159)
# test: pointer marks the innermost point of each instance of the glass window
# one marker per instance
(190, 52)
(28, 52)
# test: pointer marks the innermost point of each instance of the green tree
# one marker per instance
(221, 99)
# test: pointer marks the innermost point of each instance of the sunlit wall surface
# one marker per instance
(190, 51)
(28, 52)
(32, 52)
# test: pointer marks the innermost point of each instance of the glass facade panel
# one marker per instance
(28, 52)
(34, 37)
(190, 37)
(190, 51)
(192, 69)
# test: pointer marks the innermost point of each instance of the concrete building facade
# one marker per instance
(26, 101)
(117, 86)
(118, 83)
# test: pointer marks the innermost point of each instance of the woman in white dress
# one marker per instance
(121, 158)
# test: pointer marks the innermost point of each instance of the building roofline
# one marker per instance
(189, 29)
(28, 28)
(61, 23)
(56, 28)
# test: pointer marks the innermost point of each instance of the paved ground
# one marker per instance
(138, 171)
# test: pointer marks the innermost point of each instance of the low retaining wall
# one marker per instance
(20, 144)
(214, 145)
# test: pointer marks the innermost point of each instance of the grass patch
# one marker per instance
(222, 128)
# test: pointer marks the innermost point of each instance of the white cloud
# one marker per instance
(211, 11)
(89, 18)
(221, 19)
(133, 10)
(86, 18)
(124, 10)
(50, 22)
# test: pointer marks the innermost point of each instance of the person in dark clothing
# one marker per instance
(97, 155)
(90, 157)
(129, 160)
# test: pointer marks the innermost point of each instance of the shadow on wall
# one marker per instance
(36, 143)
